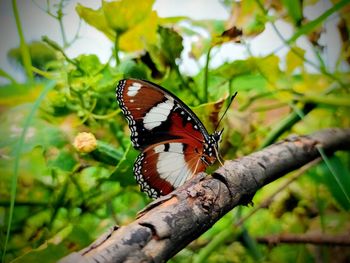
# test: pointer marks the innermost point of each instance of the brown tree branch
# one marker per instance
(310, 238)
(170, 223)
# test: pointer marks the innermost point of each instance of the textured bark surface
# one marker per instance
(170, 223)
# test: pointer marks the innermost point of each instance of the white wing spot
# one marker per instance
(134, 89)
(157, 114)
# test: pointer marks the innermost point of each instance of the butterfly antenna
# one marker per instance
(228, 106)
(219, 157)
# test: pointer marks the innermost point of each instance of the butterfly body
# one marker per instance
(174, 143)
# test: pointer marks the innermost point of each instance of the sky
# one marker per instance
(36, 23)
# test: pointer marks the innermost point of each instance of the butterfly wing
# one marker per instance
(163, 167)
(155, 115)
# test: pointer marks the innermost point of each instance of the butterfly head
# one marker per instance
(217, 136)
(211, 148)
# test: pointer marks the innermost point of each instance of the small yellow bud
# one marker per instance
(85, 142)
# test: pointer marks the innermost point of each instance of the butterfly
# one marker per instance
(174, 143)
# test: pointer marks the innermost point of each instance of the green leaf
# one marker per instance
(170, 43)
(131, 69)
(41, 54)
(107, 153)
(56, 247)
(249, 17)
(90, 64)
(79, 236)
(89, 176)
(134, 23)
(209, 112)
(123, 173)
(142, 35)
(268, 66)
(47, 252)
(107, 81)
(97, 19)
(337, 180)
(123, 15)
(249, 82)
(64, 161)
(234, 69)
(256, 25)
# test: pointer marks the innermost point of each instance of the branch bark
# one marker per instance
(171, 222)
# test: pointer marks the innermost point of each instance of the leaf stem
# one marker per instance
(27, 62)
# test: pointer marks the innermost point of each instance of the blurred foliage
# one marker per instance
(61, 199)
(41, 54)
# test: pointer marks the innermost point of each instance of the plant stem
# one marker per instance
(335, 101)
(6, 75)
(116, 48)
(27, 62)
(60, 21)
(55, 46)
(206, 75)
(183, 82)
(40, 72)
